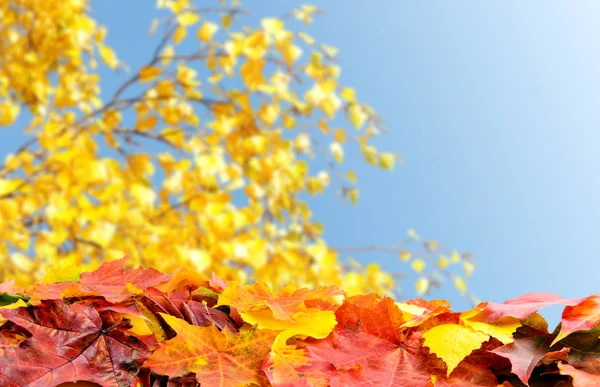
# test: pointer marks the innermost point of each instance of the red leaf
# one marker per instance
(217, 283)
(111, 280)
(525, 354)
(581, 317)
(373, 315)
(521, 307)
(68, 344)
(382, 363)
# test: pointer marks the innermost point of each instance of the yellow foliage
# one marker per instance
(453, 342)
(234, 162)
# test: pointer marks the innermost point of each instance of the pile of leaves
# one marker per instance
(140, 327)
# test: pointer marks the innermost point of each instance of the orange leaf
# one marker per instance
(217, 358)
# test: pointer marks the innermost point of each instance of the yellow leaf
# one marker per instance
(307, 38)
(418, 265)
(179, 34)
(226, 20)
(351, 176)
(108, 56)
(422, 285)
(409, 310)
(461, 285)
(309, 322)
(148, 73)
(141, 325)
(67, 269)
(329, 50)
(412, 234)
(272, 25)
(453, 342)
(468, 267)
(455, 257)
(151, 321)
(8, 112)
(188, 18)
(8, 186)
(19, 303)
(206, 31)
(370, 154)
(353, 195)
(349, 94)
(252, 73)
(357, 115)
(143, 195)
(503, 331)
(167, 54)
(148, 123)
(386, 160)
(337, 151)
(404, 255)
(153, 27)
(443, 262)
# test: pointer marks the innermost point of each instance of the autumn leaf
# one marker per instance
(115, 283)
(380, 362)
(520, 307)
(583, 316)
(524, 355)
(502, 330)
(372, 314)
(453, 342)
(582, 377)
(149, 73)
(283, 305)
(68, 343)
(217, 358)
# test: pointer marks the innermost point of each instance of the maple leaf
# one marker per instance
(453, 342)
(218, 358)
(525, 354)
(580, 317)
(68, 343)
(520, 307)
(116, 284)
(585, 374)
(286, 312)
(200, 314)
(380, 362)
(386, 356)
(53, 291)
(369, 314)
(283, 305)
(502, 330)
(372, 314)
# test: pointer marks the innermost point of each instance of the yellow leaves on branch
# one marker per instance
(232, 126)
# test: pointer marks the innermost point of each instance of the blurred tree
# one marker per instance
(239, 124)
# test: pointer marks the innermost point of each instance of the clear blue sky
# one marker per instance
(494, 106)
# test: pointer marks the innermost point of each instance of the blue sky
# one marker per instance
(493, 105)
